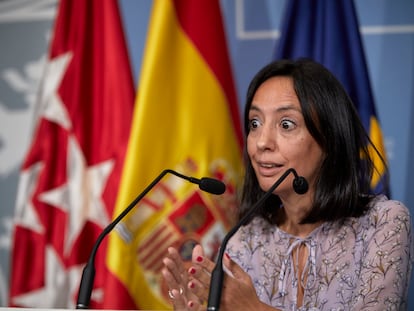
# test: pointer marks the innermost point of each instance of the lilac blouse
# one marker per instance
(365, 264)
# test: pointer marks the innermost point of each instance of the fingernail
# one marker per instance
(192, 270)
(190, 304)
(199, 259)
(227, 255)
(191, 285)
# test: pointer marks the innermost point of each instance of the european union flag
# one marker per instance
(327, 31)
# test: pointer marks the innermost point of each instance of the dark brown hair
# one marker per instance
(343, 184)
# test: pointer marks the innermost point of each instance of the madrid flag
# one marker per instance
(70, 176)
(186, 118)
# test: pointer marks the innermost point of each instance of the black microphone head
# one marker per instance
(300, 185)
(212, 185)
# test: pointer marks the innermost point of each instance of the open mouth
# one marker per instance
(268, 169)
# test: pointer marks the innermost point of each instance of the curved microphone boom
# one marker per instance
(300, 185)
(207, 184)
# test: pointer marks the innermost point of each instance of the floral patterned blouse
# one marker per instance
(365, 264)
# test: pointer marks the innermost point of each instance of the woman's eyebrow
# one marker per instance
(286, 107)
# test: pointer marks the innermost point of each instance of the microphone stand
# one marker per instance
(217, 275)
(88, 274)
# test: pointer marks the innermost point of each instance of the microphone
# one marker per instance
(210, 185)
(300, 185)
(207, 184)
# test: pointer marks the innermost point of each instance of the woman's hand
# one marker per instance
(238, 292)
(189, 288)
(178, 279)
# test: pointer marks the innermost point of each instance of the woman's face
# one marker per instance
(278, 138)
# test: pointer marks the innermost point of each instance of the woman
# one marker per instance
(337, 247)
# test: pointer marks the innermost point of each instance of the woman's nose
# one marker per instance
(266, 139)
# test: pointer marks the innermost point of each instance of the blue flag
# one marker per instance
(327, 31)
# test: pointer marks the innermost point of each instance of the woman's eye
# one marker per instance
(287, 124)
(254, 123)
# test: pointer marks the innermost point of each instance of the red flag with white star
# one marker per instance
(70, 176)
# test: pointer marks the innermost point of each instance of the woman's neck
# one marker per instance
(298, 230)
(294, 212)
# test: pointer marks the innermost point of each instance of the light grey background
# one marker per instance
(387, 28)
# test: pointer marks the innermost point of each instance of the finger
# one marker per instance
(178, 300)
(198, 289)
(199, 258)
(194, 305)
(233, 268)
(200, 274)
(176, 266)
(198, 251)
(174, 271)
(175, 256)
(170, 279)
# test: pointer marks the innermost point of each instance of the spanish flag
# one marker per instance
(186, 118)
(328, 32)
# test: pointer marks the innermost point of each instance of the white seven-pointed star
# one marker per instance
(81, 195)
(49, 105)
(60, 285)
(25, 215)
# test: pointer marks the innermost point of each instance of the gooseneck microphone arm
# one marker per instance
(210, 185)
(300, 185)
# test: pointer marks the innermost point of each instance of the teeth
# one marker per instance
(268, 165)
